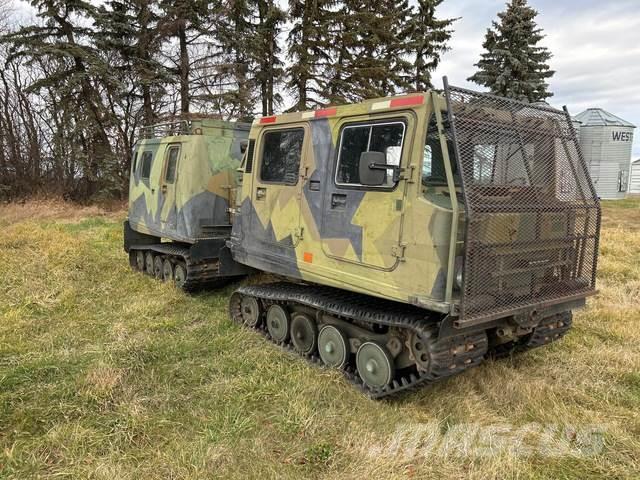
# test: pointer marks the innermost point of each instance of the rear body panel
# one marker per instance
(532, 214)
(182, 183)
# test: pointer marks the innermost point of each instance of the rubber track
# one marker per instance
(450, 355)
(199, 274)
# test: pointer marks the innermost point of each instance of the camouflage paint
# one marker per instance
(205, 181)
(388, 243)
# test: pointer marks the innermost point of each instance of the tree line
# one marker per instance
(78, 81)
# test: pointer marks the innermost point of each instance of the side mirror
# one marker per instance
(372, 169)
(243, 146)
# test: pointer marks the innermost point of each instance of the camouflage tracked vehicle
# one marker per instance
(416, 234)
(183, 177)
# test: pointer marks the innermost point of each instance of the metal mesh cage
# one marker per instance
(532, 215)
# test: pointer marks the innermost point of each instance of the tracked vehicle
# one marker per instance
(415, 235)
(183, 181)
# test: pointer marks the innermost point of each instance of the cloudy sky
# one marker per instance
(595, 43)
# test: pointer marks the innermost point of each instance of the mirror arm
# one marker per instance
(386, 166)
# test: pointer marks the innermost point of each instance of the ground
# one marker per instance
(106, 373)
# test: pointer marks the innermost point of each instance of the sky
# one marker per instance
(595, 43)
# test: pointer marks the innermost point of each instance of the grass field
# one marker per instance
(105, 373)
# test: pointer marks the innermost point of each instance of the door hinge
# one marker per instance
(410, 174)
(398, 251)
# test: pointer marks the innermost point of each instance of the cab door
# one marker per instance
(362, 224)
(277, 188)
(168, 188)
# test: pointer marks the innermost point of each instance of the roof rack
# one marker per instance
(175, 125)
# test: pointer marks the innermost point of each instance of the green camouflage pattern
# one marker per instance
(196, 204)
(391, 243)
(405, 243)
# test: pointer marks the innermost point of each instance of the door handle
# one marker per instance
(164, 189)
(338, 200)
(261, 192)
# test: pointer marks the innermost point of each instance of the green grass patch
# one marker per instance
(106, 373)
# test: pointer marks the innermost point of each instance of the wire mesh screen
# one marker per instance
(533, 218)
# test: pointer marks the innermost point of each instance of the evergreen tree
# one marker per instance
(369, 44)
(311, 50)
(129, 28)
(64, 42)
(185, 21)
(266, 53)
(513, 64)
(428, 37)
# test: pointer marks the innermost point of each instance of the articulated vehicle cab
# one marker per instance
(417, 234)
(183, 180)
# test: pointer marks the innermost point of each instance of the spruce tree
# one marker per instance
(513, 64)
(129, 28)
(428, 37)
(184, 21)
(65, 42)
(267, 54)
(311, 51)
(369, 43)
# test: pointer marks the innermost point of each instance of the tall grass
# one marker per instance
(105, 373)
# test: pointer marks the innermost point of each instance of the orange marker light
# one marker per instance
(406, 101)
(327, 112)
(308, 257)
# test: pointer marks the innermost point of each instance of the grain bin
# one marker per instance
(606, 142)
(634, 178)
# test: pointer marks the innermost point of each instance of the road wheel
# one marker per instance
(304, 333)
(140, 260)
(250, 311)
(157, 267)
(180, 275)
(148, 263)
(375, 365)
(278, 323)
(133, 259)
(167, 270)
(333, 347)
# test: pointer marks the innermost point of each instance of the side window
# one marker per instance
(281, 154)
(249, 157)
(147, 159)
(433, 171)
(172, 163)
(134, 163)
(355, 139)
(484, 157)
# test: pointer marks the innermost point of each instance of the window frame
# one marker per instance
(249, 155)
(369, 123)
(171, 146)
(431, 123)
(134, 163)
(263, 135)
(150, 152)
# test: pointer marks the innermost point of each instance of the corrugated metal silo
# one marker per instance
(607, 142)
(634, 178)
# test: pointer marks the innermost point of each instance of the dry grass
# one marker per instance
(56, 209)
(107, 374)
